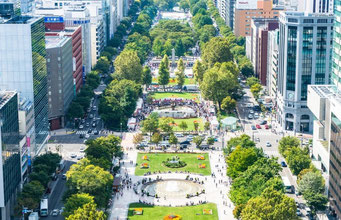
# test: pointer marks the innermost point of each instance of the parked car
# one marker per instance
(268, 144)
(179, 135)
(73, 155)
(185, 143)
(251, 111)
(250, 116)
(253, 127)
(258, 126)
(55, 212)
(283, 164)
(263, 122)
(266, 126)
(256, 115)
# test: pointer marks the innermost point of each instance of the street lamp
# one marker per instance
(121, 130)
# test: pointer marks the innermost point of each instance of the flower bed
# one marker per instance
(175, 162)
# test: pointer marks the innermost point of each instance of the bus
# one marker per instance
(287, 185)
(44, 210)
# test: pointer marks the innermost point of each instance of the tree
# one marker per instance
(246, 67)
(156, 138)
(164, 71)
(198, 140)
(196, 126)
(137, 138)
(41, 177)
(210, 140)
(286, 143)
(151, 123)
(157, 46)
(179, 48)
(297, 160)
(75, 111)
(166, 125)
(88, 211)
(243, 140)
(173, 139)
(228, 104)
(183, 125)
(84, 177)
(49, 159)
(216, 50)
(102, 65)
(252, 81)
(256, 89)
(218, 83)
(30, 195)
(128, 66)
(316, 201)
(184, 5)
(198, 70)
(147, 76)
(311, 182)
(271, 204)
(75, 202)
(180, 74)
(207, 126)
(239, 160)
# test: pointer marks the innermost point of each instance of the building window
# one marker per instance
(308, 20)
(291, 59)
(294, 20)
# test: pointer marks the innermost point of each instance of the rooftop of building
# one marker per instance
(305, 14)
(22, 20)
(5, 96)
(25, 104)
(327, 91)
(55, 41)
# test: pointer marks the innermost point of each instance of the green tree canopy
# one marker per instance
(271, 204)
(228, 104)
(286, 143)
(216, 50)
(311, 182)
(128, 66)
(84, 177)
(198, 70)
(163, 78)
(88, 211)
(297, 160)
(147, 76)
(151, 123)
(75, 202)
(180, 73)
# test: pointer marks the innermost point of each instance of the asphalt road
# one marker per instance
(55, 198)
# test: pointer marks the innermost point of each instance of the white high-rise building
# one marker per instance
(305, 41)
(316, 6)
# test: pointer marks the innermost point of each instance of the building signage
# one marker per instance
(246, 4)
(53, 19)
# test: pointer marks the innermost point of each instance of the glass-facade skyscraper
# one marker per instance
(10, 174)
(305, 41)
(23, 68)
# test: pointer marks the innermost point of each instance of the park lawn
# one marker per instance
(190, 124)
(186, 212)
(173, 81)
(183, 95)
(155, 163)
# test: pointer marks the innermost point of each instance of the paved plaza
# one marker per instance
(216, 186)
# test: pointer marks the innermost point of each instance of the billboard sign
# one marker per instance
(246, 4)
(53, 19)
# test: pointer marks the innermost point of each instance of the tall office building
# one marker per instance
(246, 10)
(272, 70)
(325, 103)
(10, 174)
(23, 68)
(316, 6)
(60, 79)
(304, 59)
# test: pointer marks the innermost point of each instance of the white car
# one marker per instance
(87, 135)
(55, 212)
(251, 111)
(81, 126)
(179, 135)
(268, 144)
(82, 149)
(250, 116)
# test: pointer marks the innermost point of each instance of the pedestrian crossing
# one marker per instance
(81, 132)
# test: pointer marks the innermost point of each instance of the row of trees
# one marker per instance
(119, 99)
(169, 34)
(310, 181)
(44, 166)
(89, 181)
(257, 189)
(255, 86)
(237, 45)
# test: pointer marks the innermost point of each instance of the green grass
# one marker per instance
(173, 82)
(184, 95)
(190, 124)
(186, 212)
(155, 163)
